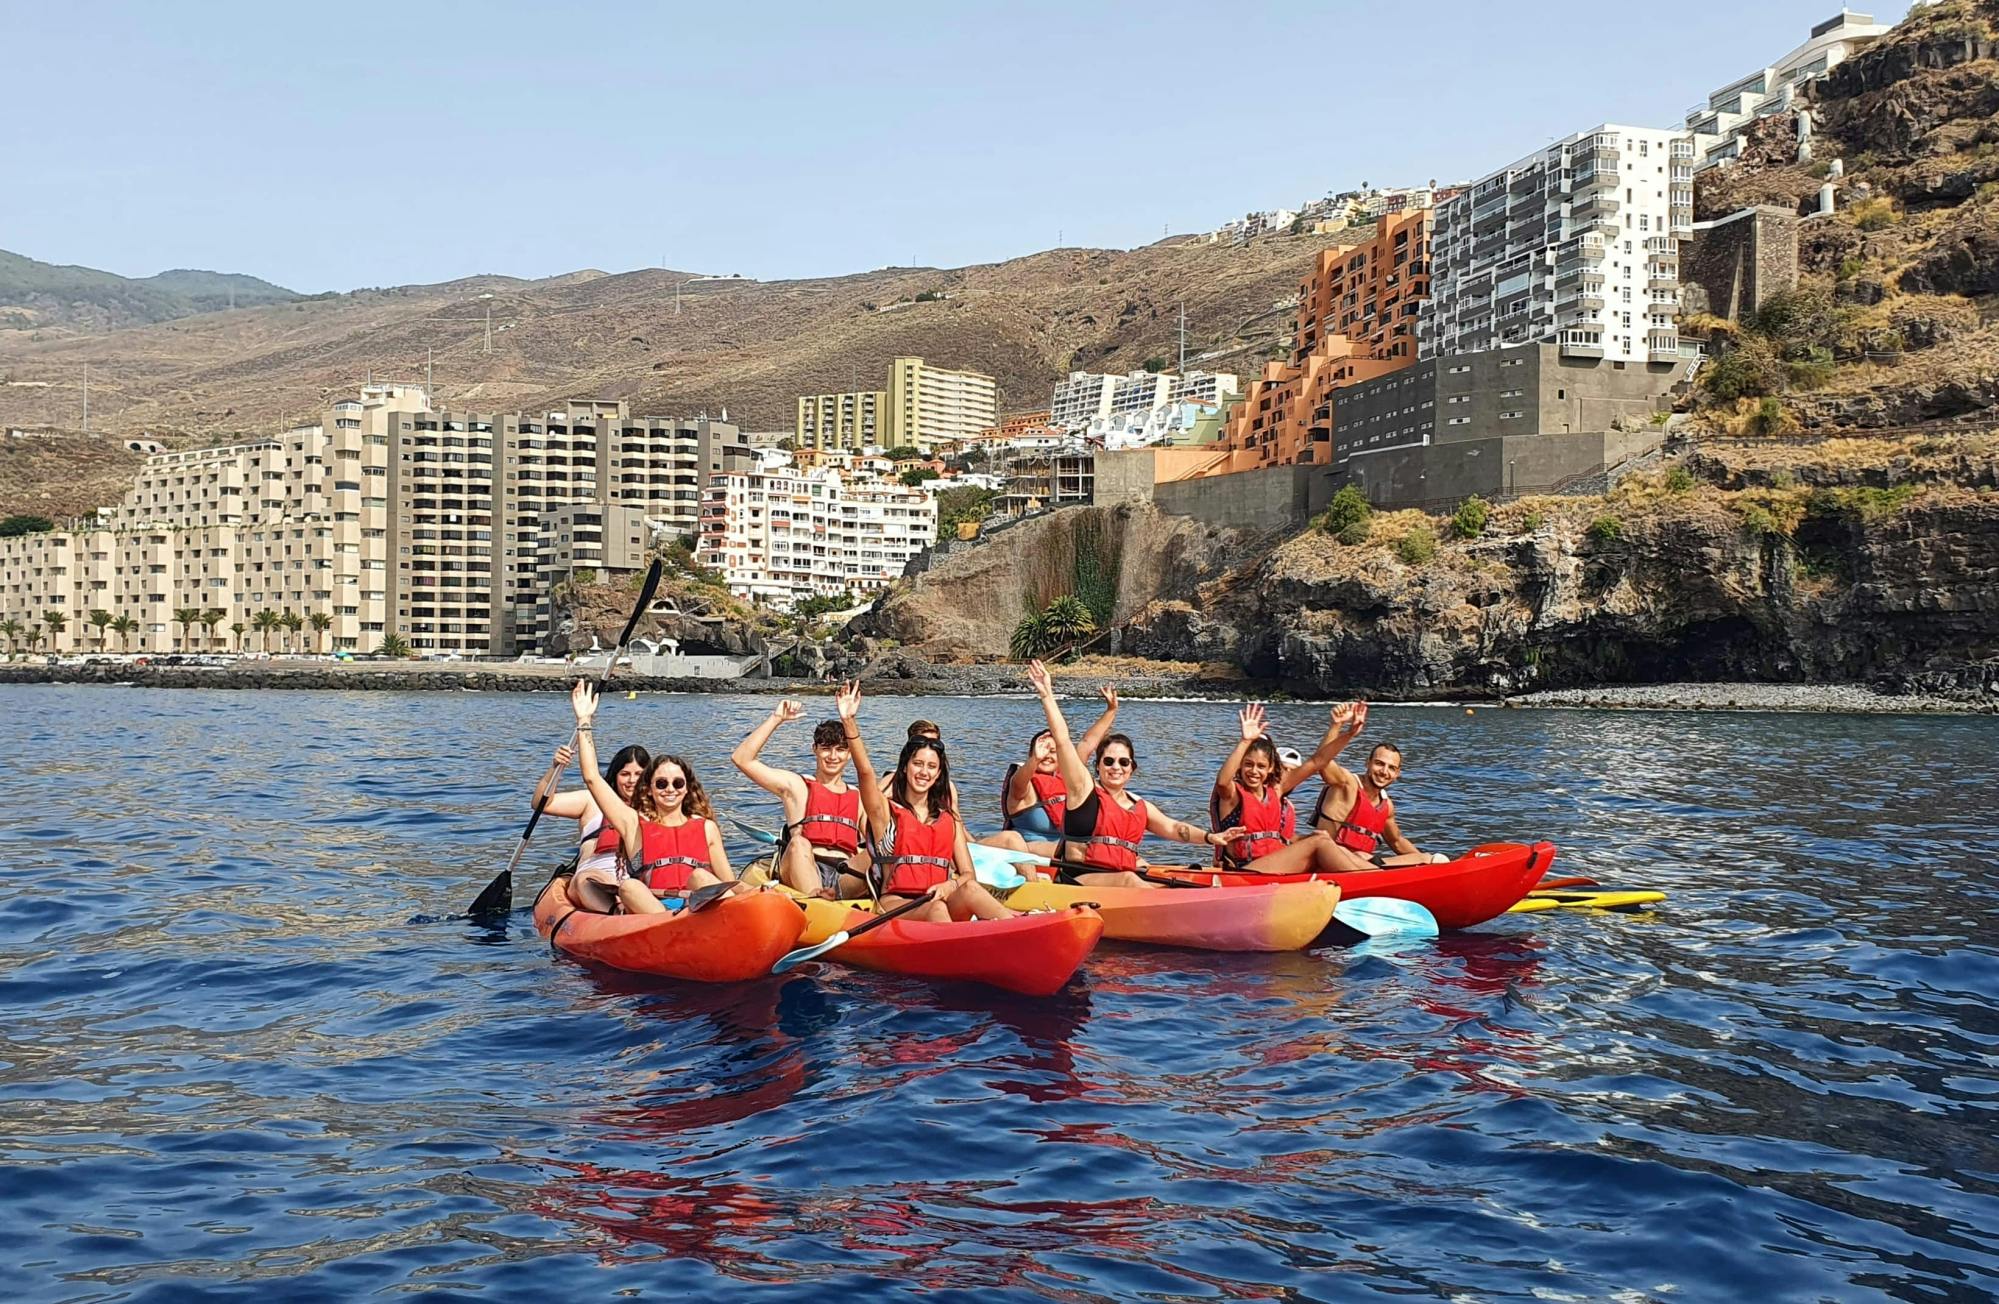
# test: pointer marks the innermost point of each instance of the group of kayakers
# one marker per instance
(648, 836)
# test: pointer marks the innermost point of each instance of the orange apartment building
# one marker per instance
(1356, 321)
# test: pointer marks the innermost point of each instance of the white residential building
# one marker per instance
(1088, 397)
(1576, 243)
(779, 536)
(1731, 111)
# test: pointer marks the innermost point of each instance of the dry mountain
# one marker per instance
(749, 346)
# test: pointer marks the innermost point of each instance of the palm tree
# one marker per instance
(320, 622)
(12, 629)
(185, 618)
(210, 618)
(1030, 636)
(238, 629)
(1068, 620)
(393, 645)
(293, 623)
(264, 622)
(57, 623)
(100, 619)
(34, 634)
(125, 627)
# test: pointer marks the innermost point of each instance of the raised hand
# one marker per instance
(583, 701)
(1345, 717)
(1252, 721)
(1039, 679)
(1109, 693)
(563, 756)
(848, 701)
(1359, 716)
(787, 711)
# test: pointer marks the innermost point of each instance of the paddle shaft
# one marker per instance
(841, 938)
(646, 591)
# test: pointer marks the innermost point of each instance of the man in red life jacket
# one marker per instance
(1355, 808)
(824, 828)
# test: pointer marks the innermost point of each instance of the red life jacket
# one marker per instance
(1364, 825)
(832, 819)
(1272, 822)
(923, 855)
(1049, 790)
(671, 854)
(1114, 843)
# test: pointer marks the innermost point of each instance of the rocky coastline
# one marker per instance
(905, 677)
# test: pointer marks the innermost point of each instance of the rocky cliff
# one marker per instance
(1123, 558)
(1847, 560)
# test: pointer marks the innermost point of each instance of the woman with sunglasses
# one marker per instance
(921, 850)
(665, 838)
(1103, 823)
(594, 884)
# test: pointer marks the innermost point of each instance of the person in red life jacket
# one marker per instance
(1033, 796)
(1253, 793)
(594, 885)
(665, 836)
(820, 853)
(1102, 823)
(1354, 809)
(920, 847)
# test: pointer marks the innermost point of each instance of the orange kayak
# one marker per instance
(738, 938)
(1482, 884)
(1030, 954)
(1255, 917)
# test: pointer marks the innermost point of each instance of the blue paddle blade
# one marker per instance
(994, 866)
(1386, 917)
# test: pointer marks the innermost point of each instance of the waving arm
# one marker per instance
(1076, 780)
(873, 800)
(583, 700)
(783, 783)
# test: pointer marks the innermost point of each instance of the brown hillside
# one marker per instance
(747, 345)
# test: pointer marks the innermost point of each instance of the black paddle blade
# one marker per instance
(497, 899)
(650, 587)
(703, 897)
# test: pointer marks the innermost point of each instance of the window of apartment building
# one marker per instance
(1455, 421)
(1509, 416)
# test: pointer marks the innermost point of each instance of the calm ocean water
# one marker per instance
(231, 1066)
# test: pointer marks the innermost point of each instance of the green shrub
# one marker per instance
(1355, 534)
(1748, 370)
(15, 526)
(1851, 266)
(1348, 507)
(1417, 546)
(1679, 480)
(1874, 214)
(1757, 520)
(1810, 373)
(1606, 529)
(1861, 504)
(1469, 521)
(1531, 522)
(1769, 418)
(1661, 417)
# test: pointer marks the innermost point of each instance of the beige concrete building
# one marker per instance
(923, 407)
(847, 421)
(388, 517)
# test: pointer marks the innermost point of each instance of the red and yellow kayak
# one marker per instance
(1256, 917)
(1030, 954)
(738, 938)
(1482, 884)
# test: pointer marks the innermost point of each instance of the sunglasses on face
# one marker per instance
(1116, 762)
(668, 785)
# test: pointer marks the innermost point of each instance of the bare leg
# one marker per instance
(1313, 854)
(972, 901)
(638, 899)
(592, 893)
(800, 873)
(934, 913)
(1113, 878)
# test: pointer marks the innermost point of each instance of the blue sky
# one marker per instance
(329, 146)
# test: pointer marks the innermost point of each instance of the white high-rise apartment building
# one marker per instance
(1088, 397)
(388, 517)
(1576, 243)
(782, 534)
(1731, 111)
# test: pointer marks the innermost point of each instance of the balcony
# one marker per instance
(1583, 300)
(1594, 208)
(1662, 276)
(1579, 249)
(1581, 344)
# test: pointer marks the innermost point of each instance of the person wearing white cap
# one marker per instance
(1252, 793)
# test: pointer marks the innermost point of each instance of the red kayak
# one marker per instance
(738, 938)
(1482, 884)
(1033, 954)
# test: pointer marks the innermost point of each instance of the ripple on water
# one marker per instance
(232, 1065)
